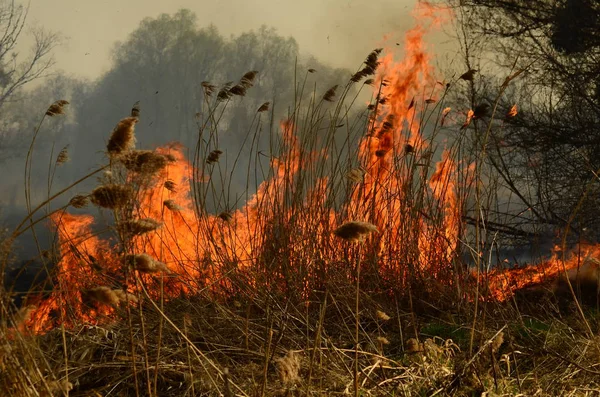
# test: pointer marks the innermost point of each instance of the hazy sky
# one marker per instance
(339, 32)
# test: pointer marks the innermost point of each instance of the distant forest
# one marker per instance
(161, 65)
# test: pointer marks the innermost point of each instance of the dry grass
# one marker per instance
(292, 309)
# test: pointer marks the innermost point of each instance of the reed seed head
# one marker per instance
(111, 196)
(136, 227)
(355, 231)
(144, 263)
(56, 108)
(172, 205)
(122, 137)
(78, 201)
(144, 162)
(330, 94)
(170, 186)
(63, 156)
(288, 368)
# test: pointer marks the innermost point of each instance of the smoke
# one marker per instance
(338, 32)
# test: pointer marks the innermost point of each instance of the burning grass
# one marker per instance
(273, 297)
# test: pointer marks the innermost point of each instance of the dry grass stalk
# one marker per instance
(144, 162)
(355, 231)
(63, 156)
(213, 156)
(264, 107)
(110, 297)
(330, 94)
(111, 196)
(122, 137)
(56, 108)
(145, 263)
(172, 205)
(288, 368)
(136, 227)
(78, 201)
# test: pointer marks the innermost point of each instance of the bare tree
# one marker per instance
(16, 71)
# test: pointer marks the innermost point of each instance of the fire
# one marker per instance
(282, 238)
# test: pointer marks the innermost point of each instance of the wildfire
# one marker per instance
(284, 235)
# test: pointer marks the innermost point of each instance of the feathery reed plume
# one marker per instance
(213, 156)
(497, 342)
(172, 205)
(368, 82)
(356, 175)
(383, 340)
(445, 113)
(468, 75)
(288, 368)
(145, 162)
(111, 196)
(56, 108)
(356, 77)
(135, 227)
(144, 263)
(247, 80)
(264, 107)
(238, 90)
(387, 125)
(224, 93)
(371, 63)
(225, 215)
(467, 122)
(122, 137)
(78, 201)
(209, 89)
(355, 231)
(512, 112)
(330, 94)
(383, 316)
(63, 156)
(135, 110)
(108, 296)
(170, 186)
